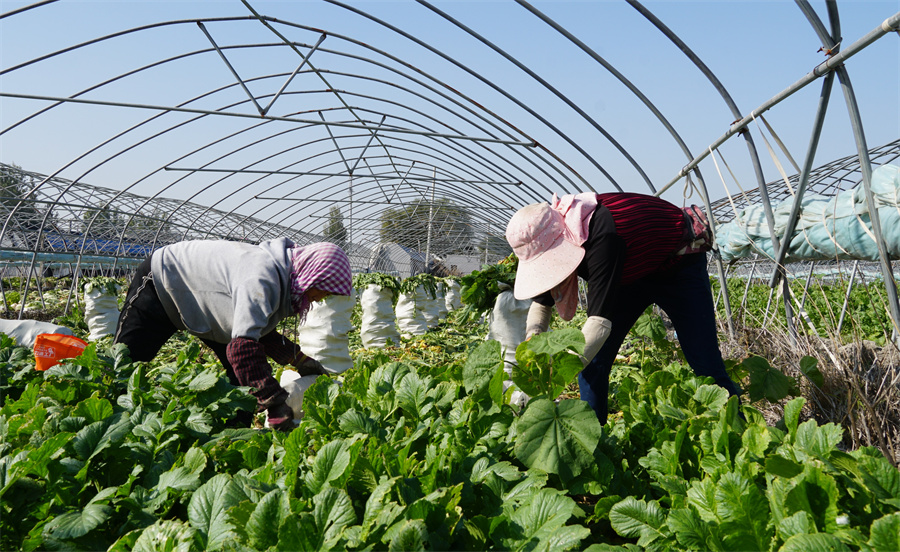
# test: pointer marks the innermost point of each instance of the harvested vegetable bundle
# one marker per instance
(379, 293)
(479, 290)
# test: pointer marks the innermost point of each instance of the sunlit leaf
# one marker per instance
(411, 537)
(639, 519)
(74, 524)
(482, 366)
(208, 507)
(558, 438)
(768, 382)
(167, 536)
(333, 512)
(816, 542)
(266, 518)
(885, 533)
(331, 463)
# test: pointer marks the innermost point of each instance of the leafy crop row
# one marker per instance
(866, 315)
(417, 450)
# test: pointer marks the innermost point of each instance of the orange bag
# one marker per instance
(49, 349)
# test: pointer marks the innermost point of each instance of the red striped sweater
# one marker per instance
(652, 228)
(631, 236)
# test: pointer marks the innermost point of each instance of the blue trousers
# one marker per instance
(684, 294)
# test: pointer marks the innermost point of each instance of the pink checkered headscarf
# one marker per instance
(323, 266)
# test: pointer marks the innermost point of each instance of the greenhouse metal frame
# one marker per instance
(402, 153)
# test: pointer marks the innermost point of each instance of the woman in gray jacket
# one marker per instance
(232, 296)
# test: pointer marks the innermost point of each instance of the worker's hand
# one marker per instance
(310, 367)
(280, 417)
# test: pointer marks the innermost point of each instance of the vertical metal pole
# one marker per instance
(430, 219)
(866, 165)
(720, 267)
(769, 304)
(71, 290)
(350, 223)
(487, 242)
(3, 291)
(812, 265)
(26, 281)
(831, 42)
(748, 140)
(39, 282)
(804, 175)
(722, 292)
(801, 309)
(847, 297)
(747, 287)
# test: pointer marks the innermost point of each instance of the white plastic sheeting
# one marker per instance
(432, 308)
(507, 325)
(410, 312)
(26, 331)
(377, 317)
(101, 313)
(836, 227)
(441, 301)
(323, 335)
(452, 300)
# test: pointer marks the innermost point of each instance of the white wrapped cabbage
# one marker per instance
(323, 336)
(452, 299)
(101, 308)
(507, 324)
(431, 310)
(377, 317)
(410, 314)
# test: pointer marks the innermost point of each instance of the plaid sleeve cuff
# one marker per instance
(282, 350)
(248, 358)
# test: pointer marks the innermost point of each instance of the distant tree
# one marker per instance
(27, 213)
(496, 247)
(146, 227)
(334, 231)
(102, 221)
(451, 227)
(14, 187)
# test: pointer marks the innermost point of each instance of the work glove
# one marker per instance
(280, 417)
(518, 398)
(596, 331)
(538, 320)
(310, 367)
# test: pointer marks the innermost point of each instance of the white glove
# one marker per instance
(538, 320)
(596, 331)
(518, 398)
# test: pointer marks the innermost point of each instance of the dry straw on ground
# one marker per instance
(861, 389)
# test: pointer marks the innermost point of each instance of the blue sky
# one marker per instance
(757, 48)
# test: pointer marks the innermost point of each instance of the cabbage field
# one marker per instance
(417, 448)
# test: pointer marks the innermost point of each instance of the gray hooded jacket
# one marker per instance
(219, 290)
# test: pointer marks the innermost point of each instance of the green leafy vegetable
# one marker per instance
(479, 290)
(380, 279)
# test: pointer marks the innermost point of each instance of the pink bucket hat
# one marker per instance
(537, 235)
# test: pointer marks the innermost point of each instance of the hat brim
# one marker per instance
(547, 270)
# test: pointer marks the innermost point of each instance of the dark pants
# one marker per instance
(144, 326)
(684, 294)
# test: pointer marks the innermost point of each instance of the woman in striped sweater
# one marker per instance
(632, 250)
